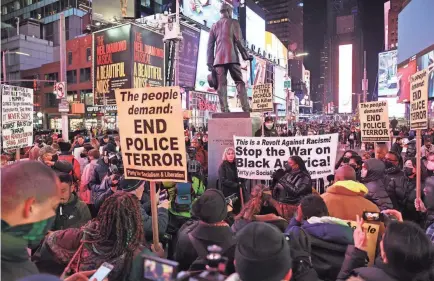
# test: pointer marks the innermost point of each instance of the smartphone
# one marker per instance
(102, 272)
(156, 269)
(372, 216)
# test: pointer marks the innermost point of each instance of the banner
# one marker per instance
(148, 58)
(263, 98)
(111, 63)
(17, 117)
(258, 158)
(419, 100)
(152, 136)
(187, 56)
(372, 231)
(374, 121)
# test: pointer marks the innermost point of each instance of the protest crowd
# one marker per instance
(70, 209)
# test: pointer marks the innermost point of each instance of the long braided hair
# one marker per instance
(118, 229)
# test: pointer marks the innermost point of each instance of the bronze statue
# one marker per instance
(225, 41)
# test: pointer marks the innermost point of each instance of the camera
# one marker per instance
(233, 198)
(156, 269)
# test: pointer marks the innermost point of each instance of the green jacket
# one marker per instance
(199, 189)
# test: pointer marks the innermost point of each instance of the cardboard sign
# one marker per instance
(259, 157)
(419, 100)
(152, 135)
(17, 117)
(372, 237)
(263, 98)
(374, 121)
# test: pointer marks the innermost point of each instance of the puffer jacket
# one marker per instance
(411, 149)
(293, 186)
(329, 239)
(403, 190)
(394, 173)
(374, 181)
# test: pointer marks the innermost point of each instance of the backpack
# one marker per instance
(183, 197)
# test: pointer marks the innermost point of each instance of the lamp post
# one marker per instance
(7, 52)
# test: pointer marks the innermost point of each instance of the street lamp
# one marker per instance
(7, 52)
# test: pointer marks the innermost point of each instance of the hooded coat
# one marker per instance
(374, 181)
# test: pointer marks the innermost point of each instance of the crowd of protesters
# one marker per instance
(69, 209)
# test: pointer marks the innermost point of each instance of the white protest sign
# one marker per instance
(374, 121)
(419, 100)
(258, 157)
(262, 98)
(17, 117)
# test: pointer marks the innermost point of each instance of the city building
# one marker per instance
(395, 7)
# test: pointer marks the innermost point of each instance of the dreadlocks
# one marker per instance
(120, 224)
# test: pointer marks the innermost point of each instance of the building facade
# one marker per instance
(396, 7)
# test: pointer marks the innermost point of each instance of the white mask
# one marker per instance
(363, 173)
(269, 125)
(430, 165)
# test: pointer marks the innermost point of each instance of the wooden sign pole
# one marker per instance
(18, 154)
(154, 212)
(418, 163)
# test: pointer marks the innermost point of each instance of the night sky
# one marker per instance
(315, 20)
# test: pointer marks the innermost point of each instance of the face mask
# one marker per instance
(364, 173)
(82, 155)
(408, 172)
(388, 164)
(269, 125)
(430, 165)
(32, 232)
(54, 158)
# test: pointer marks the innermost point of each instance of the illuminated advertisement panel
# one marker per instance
(345, 78)
(387, 74)
(202, 69)
(404, 76)
(255, 29)
(396, 110)
(206, 12)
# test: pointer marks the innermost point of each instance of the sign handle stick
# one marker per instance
(242, 196)
(263, 124)
(18, 154)
(418, 164)
(154, 212)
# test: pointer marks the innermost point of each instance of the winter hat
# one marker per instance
(110, 147)
(211, 206)
(262, 253)
(268, 119)
(64, 146)
(129, 185)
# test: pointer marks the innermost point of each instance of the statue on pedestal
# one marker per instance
(223, 45)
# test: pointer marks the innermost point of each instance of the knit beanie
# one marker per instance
(211, 206)
(129, 185)
(262, 253)
(64, 146)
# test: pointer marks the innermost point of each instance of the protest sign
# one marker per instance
(371, 238)
(419, 100)
(258, 157)
(374, 121)
(263, 98)
(152, 135)
(17, 117)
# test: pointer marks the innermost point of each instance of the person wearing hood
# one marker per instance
(71, 212)
(426, 207)
(49, 157)
(329, 236)
(406, 254)
(403, 191)
(195, 236)
(102, 167)
(291, 187)
(372, 174)
(66, 155)
(269, 128)
(411, 147)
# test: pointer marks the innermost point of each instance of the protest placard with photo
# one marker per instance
(374, 121)
(152, 135)
(372, 231)
(259, 157)
(17, 117)
(262, 98)
(419, 100)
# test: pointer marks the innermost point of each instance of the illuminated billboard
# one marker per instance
(386, 25)
(255, 30)
(396, 110)
(202, 69)
(426, 61)
(345, 78)
(204, 12)
(387, 74)
(404, 76)
(276, 49)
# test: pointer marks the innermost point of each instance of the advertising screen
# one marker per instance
(276, 48)
(415, 32)
(111, 63)
(255, 29)
(387, 74)
(148, 58)
(259, 67)
(426, 61)
(345, 78)
(404, 76)
(202, 69)
(386, 25)
(111, 10)
(188, 51)
(279, 90)
(396, 109)
(204, 10)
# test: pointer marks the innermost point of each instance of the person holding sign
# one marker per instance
(406, 254)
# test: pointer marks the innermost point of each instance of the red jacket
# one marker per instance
(75, 165)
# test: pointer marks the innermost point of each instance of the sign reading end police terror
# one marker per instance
(151, 131)
(419, 100)
(374, 121)
(259, 157)
(262, 98)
